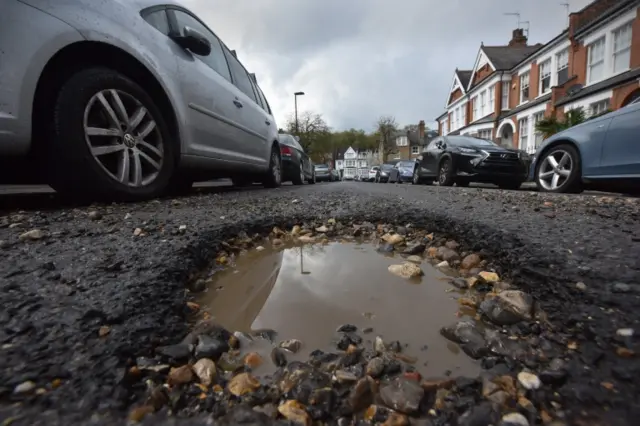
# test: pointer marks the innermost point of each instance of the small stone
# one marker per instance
(242, 384)
(295, 412)
(278, 357)
(393, 239)
(94, 215)
(137, 232)
(396, 419)
(443, 264)
(306, 239)
(529, 380)
(33, 235)
(259, 248)
(127, 216)
(624, 352)
(406, 270)
(277, 242)
(342, 376)
(489, 277)
(581, 286)
(624, 332)
(182, 229)
(24, 387)
(292, 345)
(104, 330)
(451, 244)
(415, 259)
(378, 345)
(322, 229)
(514, 419)
(138, 413)
(432, 252)
(205, 369)
(375, 367)
(621, 288)
(252, 360)
(180, 375)
(296, 230)
(470, 261)
(346, 328)
(402, 394)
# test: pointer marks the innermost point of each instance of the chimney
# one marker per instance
(518, 39)
(421, 129)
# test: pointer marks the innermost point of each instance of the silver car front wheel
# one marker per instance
(559, 170)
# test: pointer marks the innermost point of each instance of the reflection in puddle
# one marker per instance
(308, 296)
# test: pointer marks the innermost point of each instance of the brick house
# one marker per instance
(594, 64)
(408, 145)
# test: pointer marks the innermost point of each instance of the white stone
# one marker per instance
(625, 332)
(529, 380)
(515, 419)
(406, 270)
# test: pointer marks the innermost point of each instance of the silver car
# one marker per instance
(129, 99)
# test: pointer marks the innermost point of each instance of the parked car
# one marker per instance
(297, 167)
(373, 172)
(128, 99)
(405, 170)
(463, 159)
(323, 173)
(387, 173)
(601, 153)
(335, 175)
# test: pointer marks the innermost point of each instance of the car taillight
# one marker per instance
(285, 150)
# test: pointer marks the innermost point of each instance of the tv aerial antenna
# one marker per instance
(520, 23)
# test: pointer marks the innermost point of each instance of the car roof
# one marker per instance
(142, 4)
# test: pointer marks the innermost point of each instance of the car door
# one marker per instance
(255, 124)
(213, 118)
(621, 147)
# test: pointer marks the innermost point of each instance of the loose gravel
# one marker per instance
(85, 290)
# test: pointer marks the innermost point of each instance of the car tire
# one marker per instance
(299, 178)
(572, 182)
(445, 177)
(273, 177)
(312, 180)
(415, 179)
(85, 163)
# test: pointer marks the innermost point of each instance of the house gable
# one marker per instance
(481, 69)
(457, 89)
(350, 153)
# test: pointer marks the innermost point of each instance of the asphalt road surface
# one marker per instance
(578, 256)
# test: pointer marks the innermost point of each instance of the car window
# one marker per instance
(255, 91)
(432, 145)
(467, 140)
(215, 59)
(296, 144)
(266, 102)
(240, 76)
(263, 100)
(159, 20)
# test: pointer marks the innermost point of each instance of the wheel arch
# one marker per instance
(84, 54)
(445, 156)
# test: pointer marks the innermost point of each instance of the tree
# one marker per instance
(549, 126)
(386, 126)
(312, 130)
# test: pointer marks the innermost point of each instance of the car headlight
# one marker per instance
(467, 151)
(481, 156)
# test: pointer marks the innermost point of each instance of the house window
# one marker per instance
(622, 48)
(537, 135)
(485, 134)
(414, 149)
(506, 85)
(350, 163)
(524, 87)
(596, 61)
(492, 99)
(483, 103)
(463, 113)
(600, 107)
(523, 131)
(474, 107)
(455, 119)
(562, 67)
(545, 76)
(445, 126)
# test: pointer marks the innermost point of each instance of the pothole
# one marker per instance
(307, 292)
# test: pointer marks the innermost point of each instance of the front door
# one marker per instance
(209, 93)
(621, 147)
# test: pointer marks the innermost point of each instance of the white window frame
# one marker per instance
(624, 50)
(350, 163)
(523, 133)
(483, 103)
(525, 84)
(415, 149)
(537, 136)
(506, 87)
(492, 99)
(474, 108)
(562, 63)
(599, 107)
(547, 74)
(464, 115)
(485, 134)
(599, 62)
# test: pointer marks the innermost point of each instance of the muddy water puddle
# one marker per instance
(307, 292)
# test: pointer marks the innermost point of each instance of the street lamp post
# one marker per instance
(295, 103)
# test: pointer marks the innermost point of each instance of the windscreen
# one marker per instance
(466, 141)
(321, 166)
(406, 164)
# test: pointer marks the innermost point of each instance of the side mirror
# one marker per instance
(194, 41)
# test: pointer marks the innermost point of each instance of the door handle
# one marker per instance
(601, 126)
(267, 122)
(237, 103)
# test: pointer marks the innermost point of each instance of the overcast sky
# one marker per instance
(359, 59)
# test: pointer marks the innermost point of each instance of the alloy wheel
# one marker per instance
(301, 173)
(444, 171)
(416, 178)
(555, 170)
(275, 168)
(123, 138)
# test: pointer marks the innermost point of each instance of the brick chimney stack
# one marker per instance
(518, 38)
(421, 129)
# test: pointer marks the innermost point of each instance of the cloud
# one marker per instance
(359, 59)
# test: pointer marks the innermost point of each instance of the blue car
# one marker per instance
(601, 153)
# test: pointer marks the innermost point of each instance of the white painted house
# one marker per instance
(355, 162)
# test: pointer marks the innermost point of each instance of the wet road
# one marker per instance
(93, 267)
